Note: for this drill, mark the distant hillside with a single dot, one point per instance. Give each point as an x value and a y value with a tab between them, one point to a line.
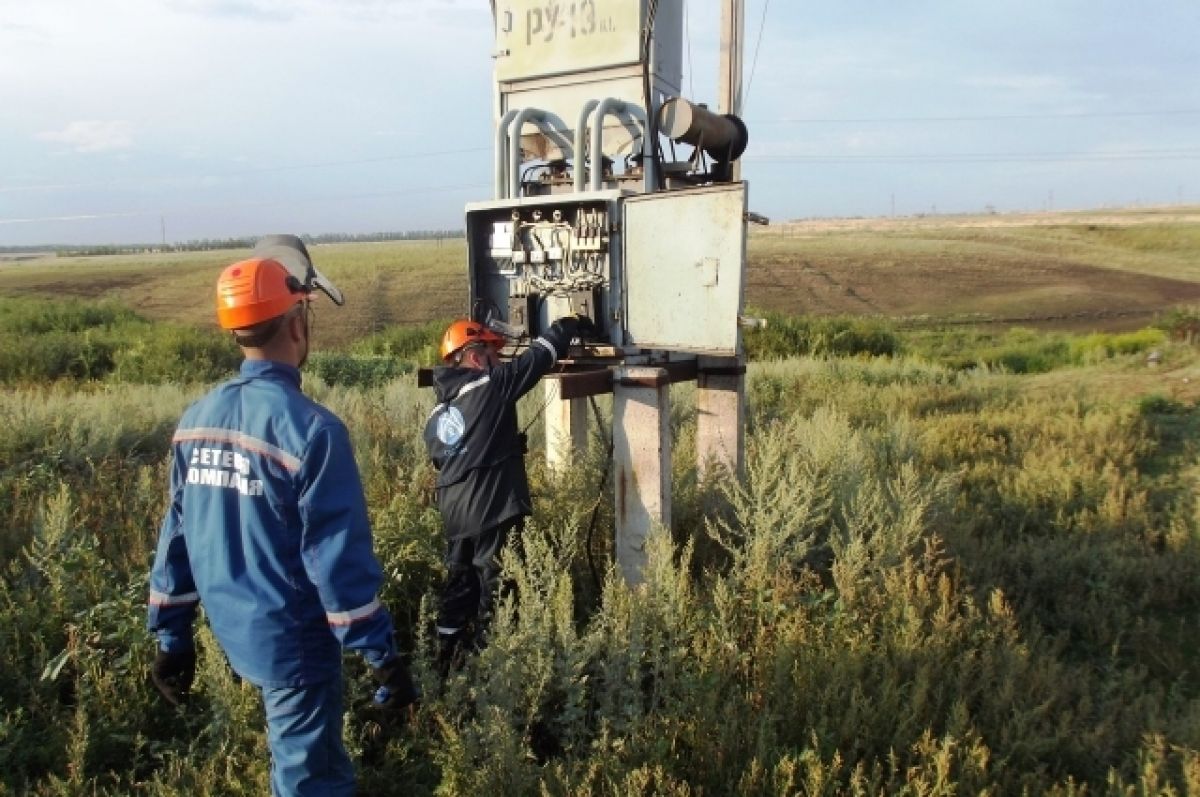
1101	270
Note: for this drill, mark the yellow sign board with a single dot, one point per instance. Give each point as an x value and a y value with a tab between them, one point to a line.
544	38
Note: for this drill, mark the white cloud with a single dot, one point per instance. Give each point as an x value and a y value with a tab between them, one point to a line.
256	10
92	136
425	11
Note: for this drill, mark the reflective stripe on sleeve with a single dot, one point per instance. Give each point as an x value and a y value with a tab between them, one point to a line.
469	386
163	599
346	618
548	347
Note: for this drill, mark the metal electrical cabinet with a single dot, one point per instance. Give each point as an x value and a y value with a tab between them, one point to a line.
654	271
685	269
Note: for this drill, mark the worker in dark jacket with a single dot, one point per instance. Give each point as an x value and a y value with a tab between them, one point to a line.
267	527
482	489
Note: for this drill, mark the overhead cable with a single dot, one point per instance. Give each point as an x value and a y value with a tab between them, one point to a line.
980	118
754	63
5	189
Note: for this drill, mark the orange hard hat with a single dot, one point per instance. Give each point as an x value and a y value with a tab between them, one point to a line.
463	332
254	291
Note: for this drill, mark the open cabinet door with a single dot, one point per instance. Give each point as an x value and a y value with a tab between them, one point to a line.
685	269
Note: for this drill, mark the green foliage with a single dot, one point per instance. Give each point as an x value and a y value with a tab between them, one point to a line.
382	357
791	336
176	354
1016	350
932	580
1100	346
1181	323
43	341
417	343
356	370
1026	351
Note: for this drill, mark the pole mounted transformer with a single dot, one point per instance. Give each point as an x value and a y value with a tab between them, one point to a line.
616	198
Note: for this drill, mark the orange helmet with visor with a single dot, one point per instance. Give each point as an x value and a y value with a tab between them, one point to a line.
463	333
256	290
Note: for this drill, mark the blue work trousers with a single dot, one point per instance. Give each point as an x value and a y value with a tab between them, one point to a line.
304	731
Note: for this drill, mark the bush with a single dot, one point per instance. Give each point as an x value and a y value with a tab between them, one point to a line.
357	370
931	581
45	341
33	317
791	336
1181	323
170	353
1102	346
417	344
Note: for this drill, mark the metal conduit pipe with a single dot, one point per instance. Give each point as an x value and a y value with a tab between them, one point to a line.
581	158
649	159
514	147
603	109
611	105
501	154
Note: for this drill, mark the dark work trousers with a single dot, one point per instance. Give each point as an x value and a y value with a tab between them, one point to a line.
473	579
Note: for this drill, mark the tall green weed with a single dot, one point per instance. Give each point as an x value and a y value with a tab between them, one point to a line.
931	581
794	336
44	341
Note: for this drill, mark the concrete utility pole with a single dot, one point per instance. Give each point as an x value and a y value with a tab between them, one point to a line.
642	459
729	84
721	384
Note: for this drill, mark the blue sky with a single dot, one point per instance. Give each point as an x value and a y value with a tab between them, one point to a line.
217	118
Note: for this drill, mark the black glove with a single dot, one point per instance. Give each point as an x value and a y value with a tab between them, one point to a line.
585	327
523	442
172	675
397	689
567	327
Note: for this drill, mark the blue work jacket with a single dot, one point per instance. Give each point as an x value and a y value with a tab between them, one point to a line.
267	527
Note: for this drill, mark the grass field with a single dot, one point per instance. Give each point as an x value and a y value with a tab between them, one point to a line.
1082	271
1072	270
965	558
385	284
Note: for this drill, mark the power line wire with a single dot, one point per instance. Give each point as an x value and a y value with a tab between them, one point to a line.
1051	153
687	37
762	25
996	157
980	118
135	181
225	206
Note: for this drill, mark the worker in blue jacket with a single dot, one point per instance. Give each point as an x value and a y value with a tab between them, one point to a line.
473	440
267	527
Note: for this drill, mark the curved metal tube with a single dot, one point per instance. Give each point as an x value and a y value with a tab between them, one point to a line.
649	163
514	147
581	158
611	105
501	154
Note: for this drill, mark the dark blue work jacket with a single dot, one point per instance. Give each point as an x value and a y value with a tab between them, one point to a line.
473	439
